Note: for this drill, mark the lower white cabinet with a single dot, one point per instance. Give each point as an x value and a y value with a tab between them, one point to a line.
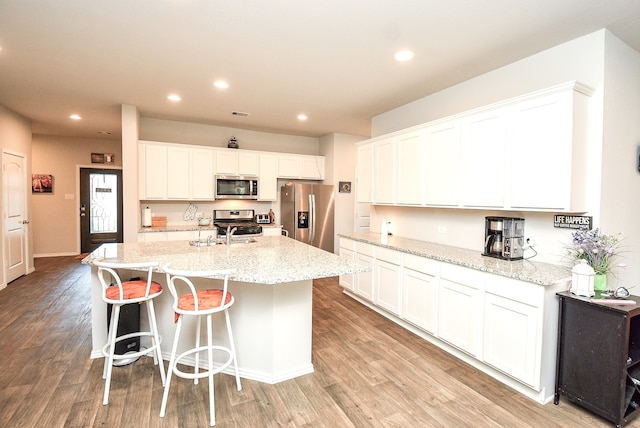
346	252
511	337
459	308
388	281
503	326
420	292
364	281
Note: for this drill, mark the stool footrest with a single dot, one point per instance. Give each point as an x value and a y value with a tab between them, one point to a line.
202	374
130	355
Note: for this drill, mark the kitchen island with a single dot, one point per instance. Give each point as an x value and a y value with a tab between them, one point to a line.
271	318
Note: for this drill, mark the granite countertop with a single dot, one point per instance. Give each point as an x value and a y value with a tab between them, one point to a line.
269	260
523	270
187	228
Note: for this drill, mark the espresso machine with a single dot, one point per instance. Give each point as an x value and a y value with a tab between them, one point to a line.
503	237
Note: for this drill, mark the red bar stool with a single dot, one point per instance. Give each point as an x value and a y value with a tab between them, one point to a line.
122	293
200	303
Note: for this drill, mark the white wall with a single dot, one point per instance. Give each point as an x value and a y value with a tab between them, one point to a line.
582	59
55	222
340	152
15	137
620	197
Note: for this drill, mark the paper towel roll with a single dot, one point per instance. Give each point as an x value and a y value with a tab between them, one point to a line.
146	217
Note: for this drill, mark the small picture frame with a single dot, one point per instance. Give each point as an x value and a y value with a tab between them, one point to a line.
344	186
41	183
97	157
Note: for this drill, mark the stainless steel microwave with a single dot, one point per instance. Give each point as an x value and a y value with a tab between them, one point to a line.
236	187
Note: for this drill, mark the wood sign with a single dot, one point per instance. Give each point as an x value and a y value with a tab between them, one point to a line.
573	222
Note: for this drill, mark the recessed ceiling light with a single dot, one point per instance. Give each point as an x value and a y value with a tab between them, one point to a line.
302	117
220	84
75	117
174	97
403	56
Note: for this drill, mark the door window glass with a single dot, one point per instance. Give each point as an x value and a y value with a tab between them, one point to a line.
104	203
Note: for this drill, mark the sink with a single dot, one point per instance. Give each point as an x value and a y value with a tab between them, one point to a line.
243	240
201	243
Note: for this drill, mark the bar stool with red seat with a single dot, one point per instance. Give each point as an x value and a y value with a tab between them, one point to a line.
123	293
200	303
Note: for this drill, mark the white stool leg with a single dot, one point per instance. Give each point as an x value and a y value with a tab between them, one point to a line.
115	316
212	406
172	363
197	367
233	349
155	338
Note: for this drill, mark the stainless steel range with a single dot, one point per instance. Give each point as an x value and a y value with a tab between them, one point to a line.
242	220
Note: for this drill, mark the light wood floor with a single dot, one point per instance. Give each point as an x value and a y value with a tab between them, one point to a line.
368	373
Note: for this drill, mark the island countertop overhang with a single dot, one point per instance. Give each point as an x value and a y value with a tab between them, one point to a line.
270	260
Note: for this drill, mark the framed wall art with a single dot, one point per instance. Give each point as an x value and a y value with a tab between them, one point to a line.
344	186
41	183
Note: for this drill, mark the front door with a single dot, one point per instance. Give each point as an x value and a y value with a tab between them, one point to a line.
100	207
14	189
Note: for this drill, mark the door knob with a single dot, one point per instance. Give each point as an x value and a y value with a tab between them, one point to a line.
25	221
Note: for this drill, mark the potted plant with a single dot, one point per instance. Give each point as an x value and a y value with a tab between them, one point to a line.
598	249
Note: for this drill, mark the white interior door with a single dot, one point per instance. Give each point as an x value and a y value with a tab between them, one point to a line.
14	190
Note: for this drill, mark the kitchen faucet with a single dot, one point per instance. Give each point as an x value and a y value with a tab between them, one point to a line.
230	233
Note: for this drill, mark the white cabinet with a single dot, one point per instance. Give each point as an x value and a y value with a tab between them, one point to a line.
202	175
527	153
178	172
236	162
460	303
384	171
513	329
152	172
301	166
420	292
313	167
548	151
273	230
388	280
442	164
484	164
268	177
364	174
346	251
175	171
409	151
364	281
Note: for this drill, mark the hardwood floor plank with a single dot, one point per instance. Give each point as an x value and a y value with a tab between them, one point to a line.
369	372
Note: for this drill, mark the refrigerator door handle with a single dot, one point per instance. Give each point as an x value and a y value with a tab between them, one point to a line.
312	218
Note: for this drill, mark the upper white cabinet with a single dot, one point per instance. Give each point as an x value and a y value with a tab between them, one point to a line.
175	171
384	167
484	164
236	162
364	173
442	164
152	170
268	185
527	153
548	139
170	171
410	162
301	166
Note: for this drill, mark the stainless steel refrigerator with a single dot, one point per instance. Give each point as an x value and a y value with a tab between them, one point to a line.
307	213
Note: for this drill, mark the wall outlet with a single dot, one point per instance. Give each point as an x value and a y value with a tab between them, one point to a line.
529	241
442	229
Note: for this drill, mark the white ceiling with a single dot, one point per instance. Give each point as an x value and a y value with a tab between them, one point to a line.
330	59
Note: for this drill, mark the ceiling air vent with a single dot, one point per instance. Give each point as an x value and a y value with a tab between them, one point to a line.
239	113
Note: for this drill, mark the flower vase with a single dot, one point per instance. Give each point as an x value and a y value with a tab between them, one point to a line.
600	282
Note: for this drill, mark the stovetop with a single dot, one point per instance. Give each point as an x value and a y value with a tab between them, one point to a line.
243	220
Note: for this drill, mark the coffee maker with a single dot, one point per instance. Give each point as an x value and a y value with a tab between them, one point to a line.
503	237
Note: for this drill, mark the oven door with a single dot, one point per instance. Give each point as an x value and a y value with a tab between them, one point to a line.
236	187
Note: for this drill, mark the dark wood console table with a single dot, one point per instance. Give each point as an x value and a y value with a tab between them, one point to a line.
598	365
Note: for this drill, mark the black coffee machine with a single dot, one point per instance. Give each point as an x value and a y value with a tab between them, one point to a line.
504	237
